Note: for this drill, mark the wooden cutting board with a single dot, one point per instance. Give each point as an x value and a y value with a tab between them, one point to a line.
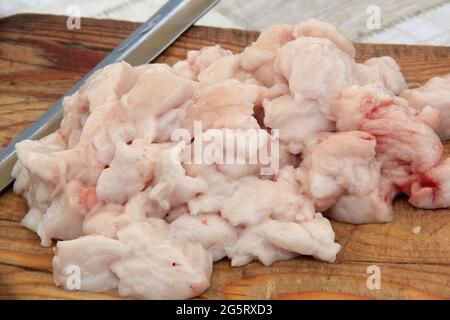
40	59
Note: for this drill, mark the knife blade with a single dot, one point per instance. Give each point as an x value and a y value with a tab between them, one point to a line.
142	46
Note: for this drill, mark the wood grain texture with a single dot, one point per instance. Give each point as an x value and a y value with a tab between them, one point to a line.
40	59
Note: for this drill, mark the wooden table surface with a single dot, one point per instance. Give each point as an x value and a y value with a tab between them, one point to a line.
40	59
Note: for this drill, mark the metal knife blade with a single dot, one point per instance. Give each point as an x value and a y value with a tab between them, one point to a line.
142	46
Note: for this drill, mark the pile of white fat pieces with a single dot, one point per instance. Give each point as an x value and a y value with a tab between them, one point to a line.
133	213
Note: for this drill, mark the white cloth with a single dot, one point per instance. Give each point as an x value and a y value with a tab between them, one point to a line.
403	21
